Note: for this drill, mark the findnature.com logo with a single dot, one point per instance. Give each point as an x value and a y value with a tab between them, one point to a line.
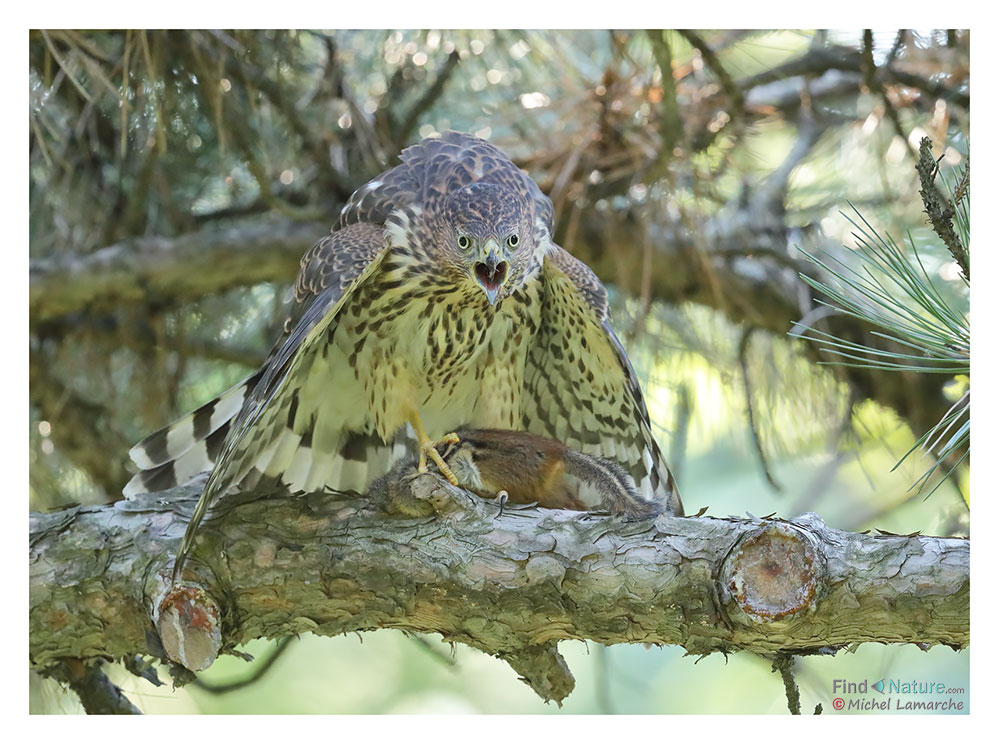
890	696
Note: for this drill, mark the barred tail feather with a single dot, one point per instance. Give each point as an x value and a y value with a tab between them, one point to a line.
350	467
181	451
297	472
176	472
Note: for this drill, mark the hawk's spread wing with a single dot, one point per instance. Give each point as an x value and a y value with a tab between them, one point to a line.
580	387
331	271
298	418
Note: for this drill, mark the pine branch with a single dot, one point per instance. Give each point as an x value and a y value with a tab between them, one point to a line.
926	334
512	586
941	214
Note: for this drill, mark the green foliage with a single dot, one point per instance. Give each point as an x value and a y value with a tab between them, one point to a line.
928	328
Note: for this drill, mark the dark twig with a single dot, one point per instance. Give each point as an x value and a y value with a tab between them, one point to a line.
436	653
783	664
900	40
402	134
753	425
818	61
732	90
384	120
873	83
868	68
98	694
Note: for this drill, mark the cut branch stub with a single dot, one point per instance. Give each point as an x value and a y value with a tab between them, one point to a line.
544	670
773	572
187	619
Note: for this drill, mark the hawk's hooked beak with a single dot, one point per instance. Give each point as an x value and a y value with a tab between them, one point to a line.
491	271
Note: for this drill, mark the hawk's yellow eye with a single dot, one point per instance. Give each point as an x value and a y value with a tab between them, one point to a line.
464	243
513	240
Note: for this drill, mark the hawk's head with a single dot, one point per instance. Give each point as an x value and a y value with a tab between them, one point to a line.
489	238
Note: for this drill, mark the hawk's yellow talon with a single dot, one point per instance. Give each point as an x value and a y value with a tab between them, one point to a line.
428	448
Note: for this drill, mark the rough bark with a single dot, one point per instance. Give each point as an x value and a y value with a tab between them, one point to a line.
511	585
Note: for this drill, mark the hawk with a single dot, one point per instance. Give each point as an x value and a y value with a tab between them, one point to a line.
438	303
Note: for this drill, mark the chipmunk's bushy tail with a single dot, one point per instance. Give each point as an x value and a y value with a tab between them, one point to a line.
610	480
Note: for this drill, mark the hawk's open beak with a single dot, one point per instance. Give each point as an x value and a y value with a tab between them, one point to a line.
491	272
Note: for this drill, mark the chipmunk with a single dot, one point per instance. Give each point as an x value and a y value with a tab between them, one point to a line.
528	469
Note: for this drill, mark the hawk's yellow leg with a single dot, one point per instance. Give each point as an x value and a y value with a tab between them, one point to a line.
428	448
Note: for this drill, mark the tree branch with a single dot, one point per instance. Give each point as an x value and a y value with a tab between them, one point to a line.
511	585
938	209
426	101
98	694
162	269
819	60
732	90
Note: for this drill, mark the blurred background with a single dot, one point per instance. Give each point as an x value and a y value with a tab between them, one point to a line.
178	176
